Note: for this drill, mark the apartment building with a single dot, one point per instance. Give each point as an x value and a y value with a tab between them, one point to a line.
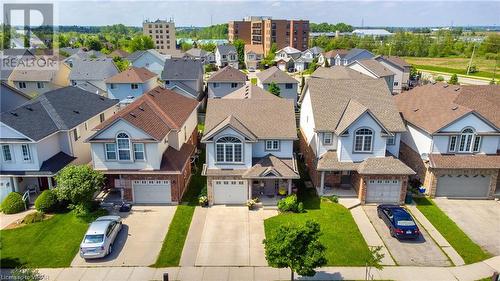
266	31
162	32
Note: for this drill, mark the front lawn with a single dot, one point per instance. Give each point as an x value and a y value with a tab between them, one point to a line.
173	244
50	243
466	248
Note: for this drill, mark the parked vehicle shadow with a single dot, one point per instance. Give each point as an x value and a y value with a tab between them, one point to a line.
421	239
118	245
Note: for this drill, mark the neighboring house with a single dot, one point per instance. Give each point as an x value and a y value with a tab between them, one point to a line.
249	91
338	72
91	74
333	57
308	56
249	149
353	55
285	58
83	55
119	53
374	69
145	149
287	84
401	70
11	58
226	55
35	80
150	59
350	132
130	84
184	76
11	97
313	52
45	134
202	55
453	138
253	56
225	81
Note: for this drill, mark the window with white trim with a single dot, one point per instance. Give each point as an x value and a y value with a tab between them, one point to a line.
272	144
134	86
123	145
469	141
110	149
7	156
327	138
40	85
453	143
139	151
216	85
101	117
76	134
22	85
234	85
26	152
391	141
363	139
229	150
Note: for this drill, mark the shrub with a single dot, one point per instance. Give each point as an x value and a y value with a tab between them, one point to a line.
290	204
203	200
439	78
46	202
27	274
251	204
13	203
33	217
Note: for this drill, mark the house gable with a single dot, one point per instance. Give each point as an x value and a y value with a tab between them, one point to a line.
471	119
120	125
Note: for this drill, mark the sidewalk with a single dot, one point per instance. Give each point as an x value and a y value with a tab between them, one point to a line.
463	273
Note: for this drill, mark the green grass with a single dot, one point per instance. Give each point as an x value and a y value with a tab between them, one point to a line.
50	243
466	248
479	74
344	243
173	244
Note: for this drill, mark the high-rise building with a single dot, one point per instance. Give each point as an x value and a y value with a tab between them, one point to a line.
266	31
162	32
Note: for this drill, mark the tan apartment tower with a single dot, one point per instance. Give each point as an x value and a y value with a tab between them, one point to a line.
162	32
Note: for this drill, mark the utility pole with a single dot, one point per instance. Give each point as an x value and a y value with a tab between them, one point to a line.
472	56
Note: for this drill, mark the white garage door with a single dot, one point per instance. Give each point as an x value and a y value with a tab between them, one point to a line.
152	191
230	191
383	191
463	186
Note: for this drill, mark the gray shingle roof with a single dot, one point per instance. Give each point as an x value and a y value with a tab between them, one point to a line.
60	109
375	67
137	54
228	74
353	53
226	49
93	69
49	167
271	165
274	74
338	72
182	69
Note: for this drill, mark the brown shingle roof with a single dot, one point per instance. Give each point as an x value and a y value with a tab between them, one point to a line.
330	98
338	72
334	53
132	75
258	49
370	166
375	67
394	60
228	74
174	160
274	74
155	112
433	106
250	92
119	53
477	161
328	161
36	74
271	165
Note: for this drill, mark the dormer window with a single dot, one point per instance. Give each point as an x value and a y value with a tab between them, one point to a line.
327	138
229	150
272	144
363	140
468	141
123	145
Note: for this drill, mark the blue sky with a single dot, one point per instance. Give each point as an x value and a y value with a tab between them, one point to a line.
202	13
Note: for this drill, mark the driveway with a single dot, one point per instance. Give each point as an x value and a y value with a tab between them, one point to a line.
421	252
140	239
479	219
232	236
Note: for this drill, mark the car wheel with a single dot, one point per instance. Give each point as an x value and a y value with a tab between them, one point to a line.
379	216
110	249
392	233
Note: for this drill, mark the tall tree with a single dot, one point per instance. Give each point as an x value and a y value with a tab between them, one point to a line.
141	42
240	49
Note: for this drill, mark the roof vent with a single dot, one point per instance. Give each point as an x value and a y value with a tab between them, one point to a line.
141	108
454	108
445	86
433	82
29	108
457	89
132	114
76	111
101	97
415	109
13	113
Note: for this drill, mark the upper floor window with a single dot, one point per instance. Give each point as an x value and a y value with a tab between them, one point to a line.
288	86
123	144
363	139
134	86
327	138
26	152
229	150
111	86
391	141
272	144
40	85
22	85
139	151
234	85
76	134
7	156
101	117
110	151
468	141
216	85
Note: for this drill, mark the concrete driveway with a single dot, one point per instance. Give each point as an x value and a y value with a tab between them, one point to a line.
420	252
479	219
140	240
232	236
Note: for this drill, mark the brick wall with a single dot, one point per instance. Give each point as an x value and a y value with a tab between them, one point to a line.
310	160
412	158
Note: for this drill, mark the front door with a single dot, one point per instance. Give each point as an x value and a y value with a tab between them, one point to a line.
345	178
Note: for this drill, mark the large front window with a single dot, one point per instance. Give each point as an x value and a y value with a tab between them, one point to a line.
363	140
7	156
229	150
468	141
123	145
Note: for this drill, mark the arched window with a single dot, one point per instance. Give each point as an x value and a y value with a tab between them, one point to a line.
229	150
123	145
469	141
363	140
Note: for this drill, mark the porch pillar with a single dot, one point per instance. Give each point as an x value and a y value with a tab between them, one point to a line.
322	184
49	180
15	183
289	186
249	190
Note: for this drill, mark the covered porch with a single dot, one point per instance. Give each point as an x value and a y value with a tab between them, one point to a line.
270	191
336	178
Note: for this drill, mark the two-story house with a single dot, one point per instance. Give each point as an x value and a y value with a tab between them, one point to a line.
226	55
145	149
247	156
130	84
453	138
401	71
91	74
308	56
225	81
350	133
202	55
338	72
149	59
45	134
253	56
285	58
288	85
375	70
332	57
184	76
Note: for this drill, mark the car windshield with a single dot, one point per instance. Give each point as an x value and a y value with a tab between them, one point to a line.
405	223
94	238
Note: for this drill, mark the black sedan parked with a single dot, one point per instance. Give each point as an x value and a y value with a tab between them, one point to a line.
400	222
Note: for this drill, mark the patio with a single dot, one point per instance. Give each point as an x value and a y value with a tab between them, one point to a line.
270	191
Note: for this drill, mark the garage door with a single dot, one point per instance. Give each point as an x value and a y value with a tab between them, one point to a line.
463	186
230	191
383	191
152	191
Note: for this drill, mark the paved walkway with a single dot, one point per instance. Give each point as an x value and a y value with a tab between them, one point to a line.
403	273
6	220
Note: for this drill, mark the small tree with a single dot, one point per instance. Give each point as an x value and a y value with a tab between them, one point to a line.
297	248
274	89
373	261
453	79
439	78
77	184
